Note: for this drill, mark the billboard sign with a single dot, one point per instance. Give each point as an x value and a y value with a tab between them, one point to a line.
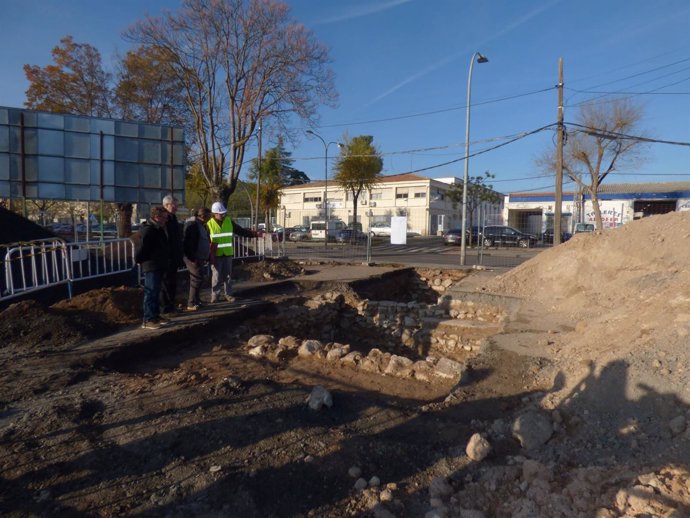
54	156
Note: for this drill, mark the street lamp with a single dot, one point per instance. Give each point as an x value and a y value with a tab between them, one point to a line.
463	238
325	188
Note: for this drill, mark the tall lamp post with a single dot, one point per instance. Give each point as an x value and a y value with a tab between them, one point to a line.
463	238
325	189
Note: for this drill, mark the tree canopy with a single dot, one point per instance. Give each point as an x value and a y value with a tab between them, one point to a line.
75	83
239	62
358	167
478	193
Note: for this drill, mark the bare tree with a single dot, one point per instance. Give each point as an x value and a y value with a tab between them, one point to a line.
600	144
239	61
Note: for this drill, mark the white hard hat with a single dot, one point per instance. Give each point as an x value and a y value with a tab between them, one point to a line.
218	208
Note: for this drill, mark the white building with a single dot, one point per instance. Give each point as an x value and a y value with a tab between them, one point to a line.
619	203
424	201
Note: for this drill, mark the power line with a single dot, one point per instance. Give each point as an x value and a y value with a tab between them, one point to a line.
596	132
435	112
526	134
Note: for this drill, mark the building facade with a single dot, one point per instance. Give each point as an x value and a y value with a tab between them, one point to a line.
424	201
619	204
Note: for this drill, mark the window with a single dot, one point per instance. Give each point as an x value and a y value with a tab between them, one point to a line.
311	199
376	195
420	195
401	194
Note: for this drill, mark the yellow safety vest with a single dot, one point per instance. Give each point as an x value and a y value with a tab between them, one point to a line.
222	236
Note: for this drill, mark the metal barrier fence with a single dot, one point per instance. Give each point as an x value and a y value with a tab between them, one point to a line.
45	263
357	251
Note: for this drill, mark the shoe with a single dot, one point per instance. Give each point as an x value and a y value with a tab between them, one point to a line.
151	324
163	320
230	298
193	307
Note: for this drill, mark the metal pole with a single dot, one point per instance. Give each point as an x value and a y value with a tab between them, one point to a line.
325	190
258	182
558	200
463	238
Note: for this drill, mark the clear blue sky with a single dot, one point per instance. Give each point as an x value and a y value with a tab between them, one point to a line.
402	68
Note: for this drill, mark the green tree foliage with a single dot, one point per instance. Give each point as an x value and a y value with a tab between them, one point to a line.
358	167
240	62
598	145
75	83
276	172
478	192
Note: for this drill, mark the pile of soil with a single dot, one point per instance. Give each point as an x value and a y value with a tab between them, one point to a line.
267	270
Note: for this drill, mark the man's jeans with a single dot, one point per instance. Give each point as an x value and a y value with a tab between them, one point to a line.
152	290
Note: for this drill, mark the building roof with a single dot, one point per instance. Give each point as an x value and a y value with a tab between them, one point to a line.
403	177
620	188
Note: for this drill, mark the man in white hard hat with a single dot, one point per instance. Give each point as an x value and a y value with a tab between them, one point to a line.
222	230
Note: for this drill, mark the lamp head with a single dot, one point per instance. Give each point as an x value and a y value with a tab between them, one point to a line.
310	132
481	58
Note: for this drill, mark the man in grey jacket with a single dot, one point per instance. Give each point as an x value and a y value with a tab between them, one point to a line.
196	245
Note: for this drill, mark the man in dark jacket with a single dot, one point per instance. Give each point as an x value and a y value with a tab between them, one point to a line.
197	247
153	254
169	282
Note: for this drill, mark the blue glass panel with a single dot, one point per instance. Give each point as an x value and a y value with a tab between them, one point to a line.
106	126
53	191
31	169
77	124
150	176
126	129
51	142
4	139
4	116
77	171
30	141
178	156
150	151
77	145
108	173
126	175
51	169
50	121
126	149
78	192
149	131
4	166
126	195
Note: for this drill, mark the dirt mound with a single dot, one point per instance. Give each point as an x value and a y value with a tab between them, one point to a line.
120	305
267	270
623	290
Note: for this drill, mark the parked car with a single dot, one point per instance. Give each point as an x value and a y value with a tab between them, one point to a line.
380	229
454	236
349	235
547	236
498	235
299	233
584	227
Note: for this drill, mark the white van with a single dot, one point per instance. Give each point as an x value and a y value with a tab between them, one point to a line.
317	229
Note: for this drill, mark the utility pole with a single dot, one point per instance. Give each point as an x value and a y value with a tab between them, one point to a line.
258	181
558	202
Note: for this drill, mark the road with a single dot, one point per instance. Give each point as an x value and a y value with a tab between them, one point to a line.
418	250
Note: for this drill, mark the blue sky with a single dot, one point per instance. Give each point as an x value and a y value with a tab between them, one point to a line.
402	67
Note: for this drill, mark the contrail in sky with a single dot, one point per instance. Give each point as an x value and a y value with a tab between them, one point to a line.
363	11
